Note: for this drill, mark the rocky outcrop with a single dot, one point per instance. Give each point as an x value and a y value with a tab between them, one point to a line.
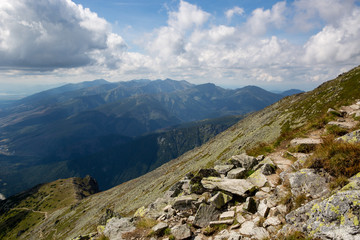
116	227
353	137
309	182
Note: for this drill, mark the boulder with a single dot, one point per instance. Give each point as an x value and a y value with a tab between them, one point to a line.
272	221
257	178
263	209
305	144
225	221
240	187
336	217
181	232
268	169
116	227
308	181
227	215
250	205
346	125
175	189
237	173
353	137
108	215
184	203
334	112
205	214
220	199
244	161
223	169
159	228
195	182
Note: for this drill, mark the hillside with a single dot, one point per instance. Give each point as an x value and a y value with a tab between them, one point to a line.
263	131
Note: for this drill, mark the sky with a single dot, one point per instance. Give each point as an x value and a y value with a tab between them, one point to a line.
273	44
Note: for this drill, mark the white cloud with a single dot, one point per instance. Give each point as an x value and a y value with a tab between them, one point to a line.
188	16
309	14
49	34
261	19
336	43
234	11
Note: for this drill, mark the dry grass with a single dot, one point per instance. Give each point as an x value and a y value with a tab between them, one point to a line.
337	158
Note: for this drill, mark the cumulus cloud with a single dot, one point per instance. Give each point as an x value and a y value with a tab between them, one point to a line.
261	19
336	43
50	34
310	14
191	45
234	11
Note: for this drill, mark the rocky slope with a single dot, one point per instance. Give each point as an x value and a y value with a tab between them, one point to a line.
262	200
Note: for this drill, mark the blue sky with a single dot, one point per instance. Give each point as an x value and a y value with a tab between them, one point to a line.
272	44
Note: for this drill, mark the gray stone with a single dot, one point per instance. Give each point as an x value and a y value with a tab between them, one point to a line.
239	187
336	217
260	233
240	219
227	215
223	169
305	144
116	227
2	197
257	178
184	203
220	199
181	232
237	173
272	221
247	228
353	137
263	209
160	227
205	214
268	169
225	221
333	111
308	181
250	205
244	161
346	125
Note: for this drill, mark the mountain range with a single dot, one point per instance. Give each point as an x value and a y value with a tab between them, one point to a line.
123	129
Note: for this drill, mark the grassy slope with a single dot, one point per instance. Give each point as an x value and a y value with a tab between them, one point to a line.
263	126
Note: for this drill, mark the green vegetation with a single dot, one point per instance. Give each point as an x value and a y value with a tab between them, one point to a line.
337	158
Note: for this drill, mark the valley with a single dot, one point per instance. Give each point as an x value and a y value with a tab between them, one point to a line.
114	131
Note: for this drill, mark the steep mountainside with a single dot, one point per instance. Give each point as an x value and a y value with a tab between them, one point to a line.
277	124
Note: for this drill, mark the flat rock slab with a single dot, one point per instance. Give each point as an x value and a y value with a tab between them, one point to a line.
305	141
223	169
227	221
235	186
227	215
346	125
